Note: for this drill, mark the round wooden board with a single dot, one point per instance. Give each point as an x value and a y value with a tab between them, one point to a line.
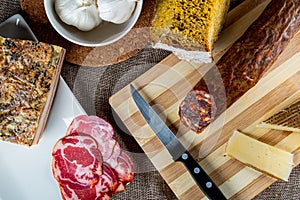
126	47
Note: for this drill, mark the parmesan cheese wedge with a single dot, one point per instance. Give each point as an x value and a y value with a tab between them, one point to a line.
287	119
260	156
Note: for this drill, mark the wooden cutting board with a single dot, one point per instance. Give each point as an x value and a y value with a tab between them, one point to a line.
166	84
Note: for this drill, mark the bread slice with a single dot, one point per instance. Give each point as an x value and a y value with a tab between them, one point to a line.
188	28
29	74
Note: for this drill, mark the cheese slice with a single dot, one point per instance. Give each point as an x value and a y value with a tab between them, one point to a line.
260	156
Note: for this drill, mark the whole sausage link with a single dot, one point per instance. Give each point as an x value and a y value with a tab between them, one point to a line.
242	66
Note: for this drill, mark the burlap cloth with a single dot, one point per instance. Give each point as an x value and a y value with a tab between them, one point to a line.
94	85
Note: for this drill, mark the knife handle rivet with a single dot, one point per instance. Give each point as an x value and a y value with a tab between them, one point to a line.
208	184
184	156
197	170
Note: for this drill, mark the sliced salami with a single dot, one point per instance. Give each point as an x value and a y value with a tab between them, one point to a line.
77	161
76	194
101	191
125	171
88	162
112	151
90	194
102	132
108	181
90	125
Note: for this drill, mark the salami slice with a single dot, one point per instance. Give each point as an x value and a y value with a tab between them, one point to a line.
111	151
125	171
102	132
108	182
88	162
90	124
68	193
88	194
77	161
101	191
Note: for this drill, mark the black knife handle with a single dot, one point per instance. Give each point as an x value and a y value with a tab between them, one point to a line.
209	188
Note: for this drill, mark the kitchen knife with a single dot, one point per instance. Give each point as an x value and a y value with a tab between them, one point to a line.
175	148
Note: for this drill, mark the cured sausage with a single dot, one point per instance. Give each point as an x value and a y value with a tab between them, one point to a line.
242	66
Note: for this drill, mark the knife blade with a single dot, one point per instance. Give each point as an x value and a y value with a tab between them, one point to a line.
175	148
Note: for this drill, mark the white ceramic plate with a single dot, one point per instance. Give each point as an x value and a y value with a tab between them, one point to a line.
25	172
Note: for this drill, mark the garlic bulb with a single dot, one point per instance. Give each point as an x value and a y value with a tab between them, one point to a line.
116	11
82	14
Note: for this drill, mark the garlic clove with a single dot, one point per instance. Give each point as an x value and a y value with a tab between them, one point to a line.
83	14
116	11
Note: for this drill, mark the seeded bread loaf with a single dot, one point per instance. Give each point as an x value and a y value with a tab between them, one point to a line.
29	74
188	28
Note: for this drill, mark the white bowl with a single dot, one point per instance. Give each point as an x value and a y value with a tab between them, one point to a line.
106	33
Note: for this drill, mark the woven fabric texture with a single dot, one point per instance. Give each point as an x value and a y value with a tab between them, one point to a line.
93	86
